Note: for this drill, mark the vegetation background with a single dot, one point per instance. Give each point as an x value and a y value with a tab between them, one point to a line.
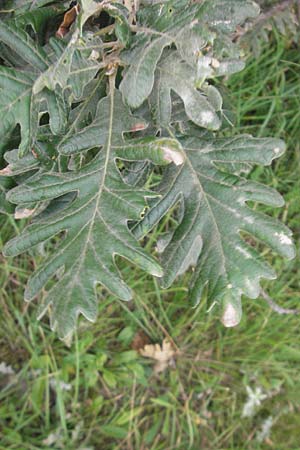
225	388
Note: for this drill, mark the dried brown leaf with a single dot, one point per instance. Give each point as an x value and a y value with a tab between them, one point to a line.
163	354
69	19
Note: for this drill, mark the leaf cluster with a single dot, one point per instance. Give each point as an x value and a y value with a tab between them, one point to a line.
88	115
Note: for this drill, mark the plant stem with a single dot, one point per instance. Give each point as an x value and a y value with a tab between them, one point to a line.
276	307
281	6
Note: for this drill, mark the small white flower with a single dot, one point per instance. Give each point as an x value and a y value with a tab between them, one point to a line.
5	369
255	397
265	429
53	438
60	384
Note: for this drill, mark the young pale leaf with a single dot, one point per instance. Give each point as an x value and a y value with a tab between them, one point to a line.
214	213
138	82
166	21
173	74
95	223
189	25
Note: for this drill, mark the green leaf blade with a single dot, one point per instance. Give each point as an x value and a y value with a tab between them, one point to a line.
20	41
214	214
138	80
95	228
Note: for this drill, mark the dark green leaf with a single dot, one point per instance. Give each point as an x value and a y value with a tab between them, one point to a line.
214	212
95	223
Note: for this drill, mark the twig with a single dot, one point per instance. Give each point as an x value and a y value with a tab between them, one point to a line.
276	307
105	30
265	16
281	6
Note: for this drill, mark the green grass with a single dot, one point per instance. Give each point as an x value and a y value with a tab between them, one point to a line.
115	401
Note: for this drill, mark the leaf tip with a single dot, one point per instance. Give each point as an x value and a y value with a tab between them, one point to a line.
172	151
6	172
286	241
174	156
231	315
157	271
279	149
138	126
24	213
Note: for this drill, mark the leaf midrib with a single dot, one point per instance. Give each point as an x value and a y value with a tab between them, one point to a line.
189	163
102	185
219	236
81	112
